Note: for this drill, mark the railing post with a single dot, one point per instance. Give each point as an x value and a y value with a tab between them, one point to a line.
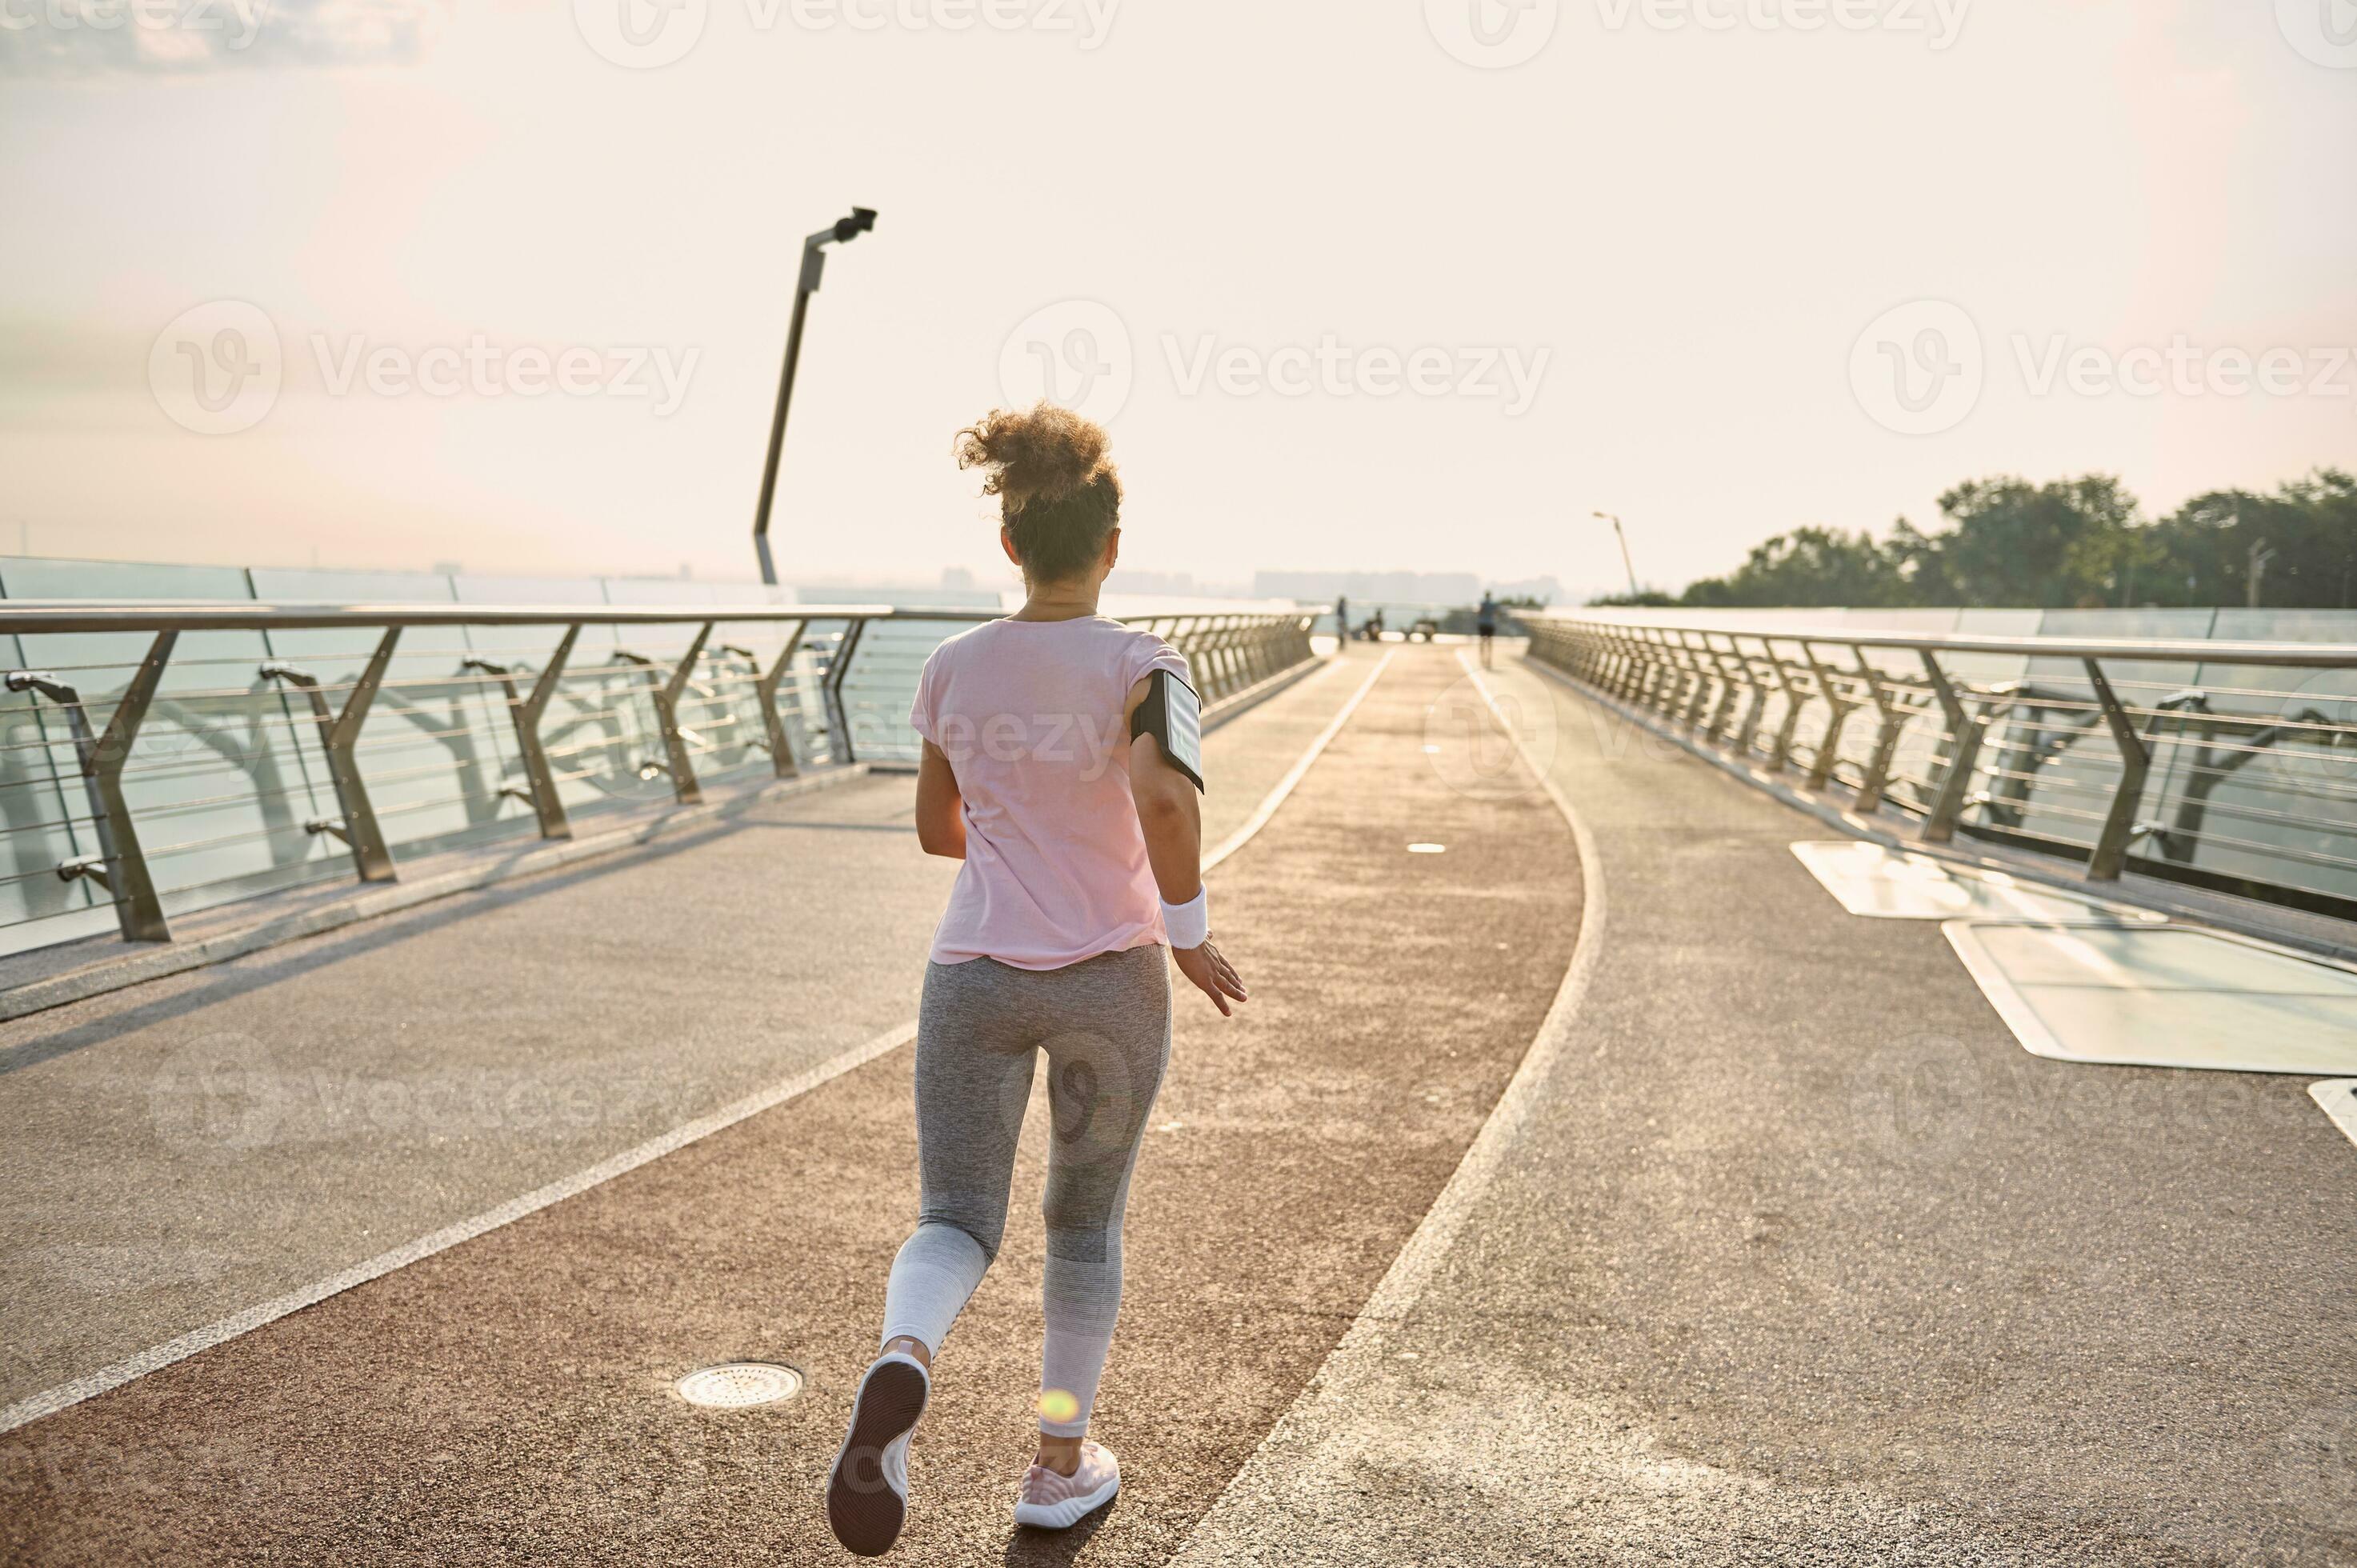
1872	782
1691	657
121	865
1203	658
838	669
539	777
338	734
765	686
1821	766
1657	666
1646	672
1966	730
1757	707
1725	701
2110	855
1780	750
1223	645
667	693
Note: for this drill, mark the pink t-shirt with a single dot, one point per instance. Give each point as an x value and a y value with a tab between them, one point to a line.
1029	714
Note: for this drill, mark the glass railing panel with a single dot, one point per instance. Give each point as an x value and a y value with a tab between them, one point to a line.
719	712
2055	766
37	907
430	751
599	728
882	683
2276	795
217	782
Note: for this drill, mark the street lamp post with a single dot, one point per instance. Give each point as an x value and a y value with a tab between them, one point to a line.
1621	535
860	221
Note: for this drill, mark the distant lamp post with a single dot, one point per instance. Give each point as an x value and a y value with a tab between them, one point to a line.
844	229
2261	554
1619	533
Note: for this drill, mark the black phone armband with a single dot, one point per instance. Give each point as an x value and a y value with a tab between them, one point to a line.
1173	715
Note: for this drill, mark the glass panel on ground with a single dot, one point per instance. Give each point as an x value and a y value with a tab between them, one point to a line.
1871	880
2162	996
2339	1098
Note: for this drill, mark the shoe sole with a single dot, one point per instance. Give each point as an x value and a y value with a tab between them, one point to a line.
862	1506
1068	1513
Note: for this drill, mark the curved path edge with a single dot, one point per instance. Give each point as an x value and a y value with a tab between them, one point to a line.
1405	1282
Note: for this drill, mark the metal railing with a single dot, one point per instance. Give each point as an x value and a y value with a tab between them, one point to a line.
162	759
2231	764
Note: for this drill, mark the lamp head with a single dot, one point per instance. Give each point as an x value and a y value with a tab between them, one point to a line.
861	221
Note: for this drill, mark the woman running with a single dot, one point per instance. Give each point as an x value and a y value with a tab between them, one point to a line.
1061	766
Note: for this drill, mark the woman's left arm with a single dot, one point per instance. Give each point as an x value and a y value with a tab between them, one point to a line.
941	811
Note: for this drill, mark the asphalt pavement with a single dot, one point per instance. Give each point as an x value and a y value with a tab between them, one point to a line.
508	1399
1788	1254
1581	1189
203	1146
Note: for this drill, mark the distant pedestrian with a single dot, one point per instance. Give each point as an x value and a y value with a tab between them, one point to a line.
1486	623
1061	765
1341	618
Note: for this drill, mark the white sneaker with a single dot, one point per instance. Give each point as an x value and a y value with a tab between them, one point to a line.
1049	1501
868	1492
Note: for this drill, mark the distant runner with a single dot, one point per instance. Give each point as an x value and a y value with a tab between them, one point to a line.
1487	625
1062	763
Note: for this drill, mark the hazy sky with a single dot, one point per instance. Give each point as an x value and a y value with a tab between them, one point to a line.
1399	284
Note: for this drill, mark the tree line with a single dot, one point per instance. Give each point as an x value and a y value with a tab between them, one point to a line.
2072	544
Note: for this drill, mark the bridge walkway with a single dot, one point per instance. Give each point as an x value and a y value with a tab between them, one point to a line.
1573	1195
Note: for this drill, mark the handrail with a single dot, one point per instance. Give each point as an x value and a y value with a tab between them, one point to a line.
2054	784
2143	650
37	616
600	747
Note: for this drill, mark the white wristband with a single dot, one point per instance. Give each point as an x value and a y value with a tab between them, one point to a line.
1188	924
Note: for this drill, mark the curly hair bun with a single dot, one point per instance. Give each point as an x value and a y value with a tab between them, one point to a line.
1058	493
1042	454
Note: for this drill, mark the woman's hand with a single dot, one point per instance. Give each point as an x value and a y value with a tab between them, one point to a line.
1212	975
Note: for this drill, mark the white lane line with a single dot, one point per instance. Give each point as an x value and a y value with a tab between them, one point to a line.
51	1401
237	1323
1275	796
1412	1270
1405	1281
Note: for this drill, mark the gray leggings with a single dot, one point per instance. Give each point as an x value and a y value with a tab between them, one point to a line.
1104	1024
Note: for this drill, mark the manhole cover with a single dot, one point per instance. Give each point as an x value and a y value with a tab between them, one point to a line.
741	1383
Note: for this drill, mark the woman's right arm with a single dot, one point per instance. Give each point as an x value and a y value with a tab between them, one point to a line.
940	812
1170	814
